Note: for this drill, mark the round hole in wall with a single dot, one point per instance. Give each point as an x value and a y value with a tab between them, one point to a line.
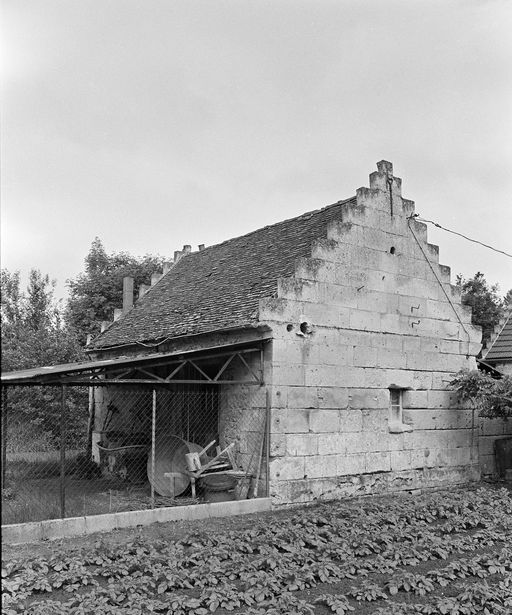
289	327
304	327
392	250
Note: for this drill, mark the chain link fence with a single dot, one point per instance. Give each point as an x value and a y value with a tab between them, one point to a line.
72	451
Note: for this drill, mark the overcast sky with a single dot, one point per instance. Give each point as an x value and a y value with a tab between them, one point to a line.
153	124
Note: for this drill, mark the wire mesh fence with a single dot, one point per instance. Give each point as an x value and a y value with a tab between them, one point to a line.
73	451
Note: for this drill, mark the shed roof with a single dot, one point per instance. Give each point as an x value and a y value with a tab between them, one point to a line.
220	287
501	349
82	372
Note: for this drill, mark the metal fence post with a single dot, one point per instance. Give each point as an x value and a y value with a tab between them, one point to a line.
63	452
153	449
268	400
4	436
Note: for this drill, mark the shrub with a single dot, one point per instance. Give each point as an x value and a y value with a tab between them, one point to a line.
492	398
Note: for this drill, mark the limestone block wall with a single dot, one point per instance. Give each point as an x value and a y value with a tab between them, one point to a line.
371	310
242	415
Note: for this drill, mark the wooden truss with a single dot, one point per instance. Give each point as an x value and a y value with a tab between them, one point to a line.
188	371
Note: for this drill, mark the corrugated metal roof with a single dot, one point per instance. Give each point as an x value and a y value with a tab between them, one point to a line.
55	373
51	371
221	286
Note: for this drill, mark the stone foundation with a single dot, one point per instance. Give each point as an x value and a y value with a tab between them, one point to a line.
323	489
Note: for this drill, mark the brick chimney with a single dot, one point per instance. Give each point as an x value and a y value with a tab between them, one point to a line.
155	277
127	294
143	289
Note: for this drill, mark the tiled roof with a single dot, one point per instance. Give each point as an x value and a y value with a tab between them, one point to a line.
501	349
220	286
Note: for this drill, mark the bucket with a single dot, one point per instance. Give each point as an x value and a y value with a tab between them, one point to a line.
193	461
219	487
219	496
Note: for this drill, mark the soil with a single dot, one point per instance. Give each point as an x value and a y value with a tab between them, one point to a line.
174	531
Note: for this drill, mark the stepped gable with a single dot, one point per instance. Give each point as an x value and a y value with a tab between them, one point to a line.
219	287
500	350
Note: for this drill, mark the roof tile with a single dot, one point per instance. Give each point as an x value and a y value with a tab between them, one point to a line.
501	350
220	287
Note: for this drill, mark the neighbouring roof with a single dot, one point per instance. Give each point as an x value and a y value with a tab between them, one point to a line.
220	287
501	349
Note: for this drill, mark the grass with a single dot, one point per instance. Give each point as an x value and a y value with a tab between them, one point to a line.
33	493
436	553
38	499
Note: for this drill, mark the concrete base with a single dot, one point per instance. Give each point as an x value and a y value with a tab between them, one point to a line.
54	529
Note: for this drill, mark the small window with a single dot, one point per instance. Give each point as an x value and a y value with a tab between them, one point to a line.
395	422
395	405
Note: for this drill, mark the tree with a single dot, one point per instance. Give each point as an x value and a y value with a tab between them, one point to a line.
34	335
95	293
486	304
507	300
33	332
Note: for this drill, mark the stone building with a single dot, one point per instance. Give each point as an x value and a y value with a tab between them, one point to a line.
498	353
359	330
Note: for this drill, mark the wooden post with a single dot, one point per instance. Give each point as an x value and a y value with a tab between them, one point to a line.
4	435
63	452
267	443
153	449
260	458
90	422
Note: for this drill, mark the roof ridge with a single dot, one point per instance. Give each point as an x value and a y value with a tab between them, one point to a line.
305	215
243	269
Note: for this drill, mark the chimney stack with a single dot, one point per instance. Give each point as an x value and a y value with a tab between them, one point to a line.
104	325
127	294
167	266
89	339
118	312
143	289
187	249
155	277
201	247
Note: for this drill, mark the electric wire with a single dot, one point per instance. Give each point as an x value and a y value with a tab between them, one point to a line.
413	217
418	217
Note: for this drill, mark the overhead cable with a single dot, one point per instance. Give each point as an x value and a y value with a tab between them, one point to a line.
417	217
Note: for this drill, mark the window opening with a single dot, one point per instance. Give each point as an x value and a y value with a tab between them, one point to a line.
396	424
395	405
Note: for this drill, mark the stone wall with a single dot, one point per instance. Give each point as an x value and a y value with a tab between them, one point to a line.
489	431
242	416
372	309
